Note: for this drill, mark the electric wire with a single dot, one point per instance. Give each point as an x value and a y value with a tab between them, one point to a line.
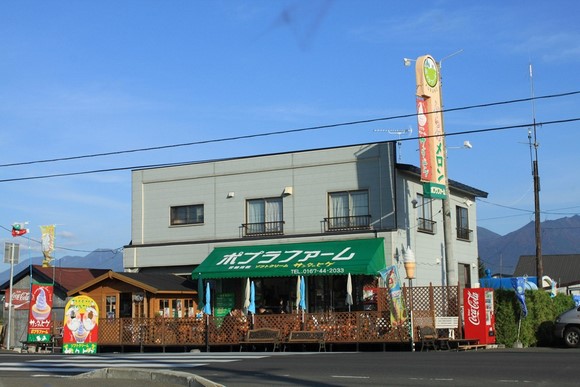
190	162
289	131
281	132
30	239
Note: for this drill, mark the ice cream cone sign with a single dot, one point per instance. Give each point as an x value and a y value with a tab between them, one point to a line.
409	262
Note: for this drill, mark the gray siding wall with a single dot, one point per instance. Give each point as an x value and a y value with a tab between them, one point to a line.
312	176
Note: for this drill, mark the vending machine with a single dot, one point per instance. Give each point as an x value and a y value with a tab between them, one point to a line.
478	315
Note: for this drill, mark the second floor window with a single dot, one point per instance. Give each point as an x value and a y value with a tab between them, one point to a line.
264	216
425	221
192	214
348	210
463	231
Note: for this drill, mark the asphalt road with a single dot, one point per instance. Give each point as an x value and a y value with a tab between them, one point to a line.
530	367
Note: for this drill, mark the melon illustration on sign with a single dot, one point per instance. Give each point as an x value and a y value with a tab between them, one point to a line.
430	71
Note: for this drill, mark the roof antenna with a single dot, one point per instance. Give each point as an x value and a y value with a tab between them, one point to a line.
399	133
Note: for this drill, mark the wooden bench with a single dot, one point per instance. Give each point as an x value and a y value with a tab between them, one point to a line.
308	337
262	336
447	322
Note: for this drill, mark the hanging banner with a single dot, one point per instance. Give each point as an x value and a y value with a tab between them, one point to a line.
518	283
391	277
47	244
425	160
81	326
19	229
39	320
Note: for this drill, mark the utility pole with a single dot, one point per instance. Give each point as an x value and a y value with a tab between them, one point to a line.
536	175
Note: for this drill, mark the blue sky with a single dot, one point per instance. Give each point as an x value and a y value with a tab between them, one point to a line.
80	78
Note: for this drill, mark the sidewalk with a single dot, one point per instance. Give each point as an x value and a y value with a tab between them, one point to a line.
114	377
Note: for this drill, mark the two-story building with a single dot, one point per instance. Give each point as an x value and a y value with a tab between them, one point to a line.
276	216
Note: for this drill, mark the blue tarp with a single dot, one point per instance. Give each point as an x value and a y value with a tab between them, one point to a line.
506	283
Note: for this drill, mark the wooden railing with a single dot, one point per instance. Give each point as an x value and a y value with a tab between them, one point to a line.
340	327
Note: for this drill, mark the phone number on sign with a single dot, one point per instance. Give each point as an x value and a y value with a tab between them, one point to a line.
334	270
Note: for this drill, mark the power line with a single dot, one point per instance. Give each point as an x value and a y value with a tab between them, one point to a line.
185	162
289	131
28	238
526	212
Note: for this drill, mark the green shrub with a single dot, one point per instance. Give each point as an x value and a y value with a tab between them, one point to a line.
536	328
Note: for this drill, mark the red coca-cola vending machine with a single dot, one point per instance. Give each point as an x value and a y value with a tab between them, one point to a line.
478	315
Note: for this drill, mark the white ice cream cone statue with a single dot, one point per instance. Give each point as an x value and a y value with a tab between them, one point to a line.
409	262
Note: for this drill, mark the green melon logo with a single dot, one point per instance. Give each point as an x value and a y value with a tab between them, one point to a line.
430	71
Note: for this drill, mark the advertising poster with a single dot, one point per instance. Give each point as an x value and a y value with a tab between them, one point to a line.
391	277
81	326
39	313
20	299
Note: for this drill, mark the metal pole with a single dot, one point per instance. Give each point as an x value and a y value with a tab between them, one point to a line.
538	232
412	330
536	174
11	291
207	333
450	264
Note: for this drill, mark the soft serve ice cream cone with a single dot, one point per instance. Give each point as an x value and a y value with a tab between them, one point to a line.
80	334
41	310
410	269
409	262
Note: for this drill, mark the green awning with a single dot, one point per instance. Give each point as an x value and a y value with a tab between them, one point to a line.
357	256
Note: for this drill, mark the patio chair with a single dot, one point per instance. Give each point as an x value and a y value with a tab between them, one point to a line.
428	337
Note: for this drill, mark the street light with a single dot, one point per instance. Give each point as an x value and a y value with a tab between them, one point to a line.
410	264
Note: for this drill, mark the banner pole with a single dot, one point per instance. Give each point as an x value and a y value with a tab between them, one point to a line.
10	301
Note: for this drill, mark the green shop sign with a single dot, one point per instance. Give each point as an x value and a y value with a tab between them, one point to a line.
357	256
434	190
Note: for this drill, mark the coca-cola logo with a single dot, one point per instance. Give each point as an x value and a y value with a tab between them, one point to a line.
21	296
473	308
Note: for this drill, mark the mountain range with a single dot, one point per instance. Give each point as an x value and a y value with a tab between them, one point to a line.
500	254
98	259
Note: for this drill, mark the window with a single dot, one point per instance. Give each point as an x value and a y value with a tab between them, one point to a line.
164	309
463	231
176	308
464	276
348	210
264	216
425	221
111	306
192	214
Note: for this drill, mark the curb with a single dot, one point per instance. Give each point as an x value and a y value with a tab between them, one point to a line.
174	377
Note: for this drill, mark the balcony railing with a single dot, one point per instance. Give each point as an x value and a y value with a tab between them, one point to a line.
263	229
464	234
426	225
347	223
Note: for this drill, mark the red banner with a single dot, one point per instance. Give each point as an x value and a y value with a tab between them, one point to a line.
39	313
425	157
